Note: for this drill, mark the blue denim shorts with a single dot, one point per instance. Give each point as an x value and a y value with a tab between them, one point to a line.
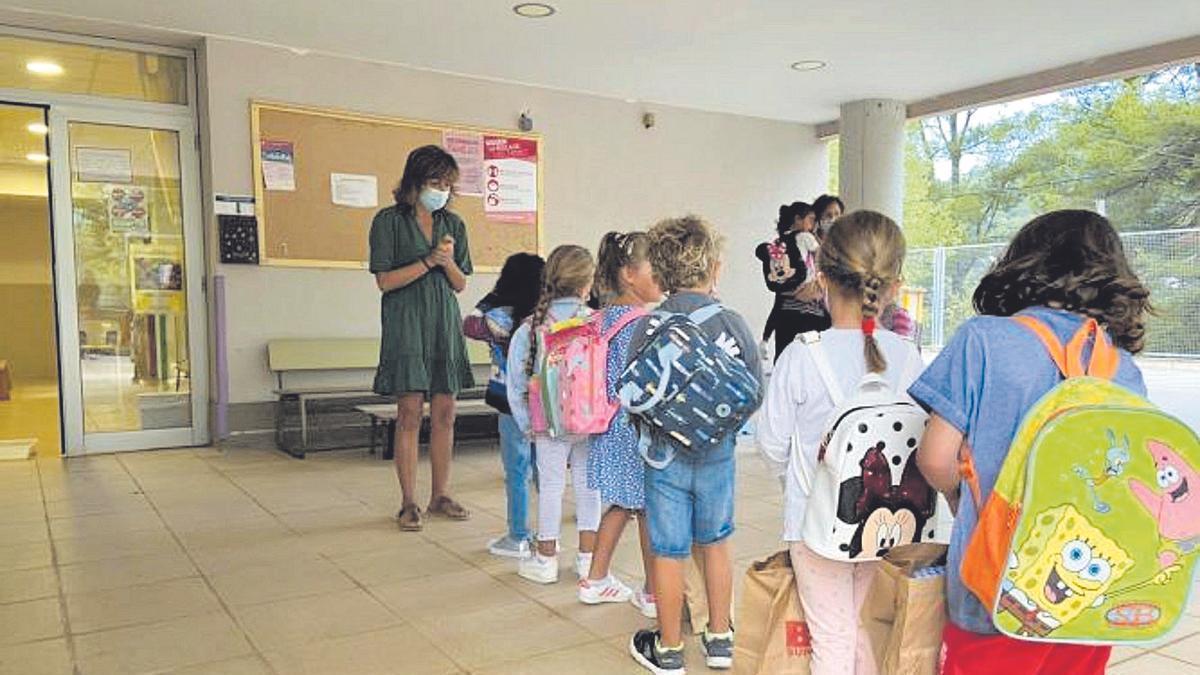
690	501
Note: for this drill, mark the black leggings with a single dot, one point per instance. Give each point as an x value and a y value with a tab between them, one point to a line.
787	325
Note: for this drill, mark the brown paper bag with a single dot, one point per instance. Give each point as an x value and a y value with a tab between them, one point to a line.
904	616
772	637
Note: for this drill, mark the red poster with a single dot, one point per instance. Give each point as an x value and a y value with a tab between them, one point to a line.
510	180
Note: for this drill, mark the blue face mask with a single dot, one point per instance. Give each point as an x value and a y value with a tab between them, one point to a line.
434	200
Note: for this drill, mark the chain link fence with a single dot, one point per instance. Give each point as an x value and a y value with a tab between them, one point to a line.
940	282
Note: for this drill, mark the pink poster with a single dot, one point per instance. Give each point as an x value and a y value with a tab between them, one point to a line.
467	149
510	181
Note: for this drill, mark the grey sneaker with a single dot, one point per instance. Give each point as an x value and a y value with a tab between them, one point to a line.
508	547
645	648
718	650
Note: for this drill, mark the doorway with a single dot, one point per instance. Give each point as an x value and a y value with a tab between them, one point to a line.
30	418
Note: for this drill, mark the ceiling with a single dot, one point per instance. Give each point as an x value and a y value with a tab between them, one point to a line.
727	56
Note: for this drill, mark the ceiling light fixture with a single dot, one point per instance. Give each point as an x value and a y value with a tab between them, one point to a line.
534	10
38	128
807	65
39	157
44	68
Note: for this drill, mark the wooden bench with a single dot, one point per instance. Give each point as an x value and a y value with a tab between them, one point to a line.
289	358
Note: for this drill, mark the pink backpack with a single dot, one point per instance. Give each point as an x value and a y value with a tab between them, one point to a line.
569	394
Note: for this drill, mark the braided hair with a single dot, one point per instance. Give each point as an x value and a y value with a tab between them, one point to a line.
862	256
1073	260
568	273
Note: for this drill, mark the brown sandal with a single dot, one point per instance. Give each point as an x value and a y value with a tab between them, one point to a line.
409	518
447	507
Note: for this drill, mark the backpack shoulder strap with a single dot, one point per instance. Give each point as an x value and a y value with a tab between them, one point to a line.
626	319
1069	358
812	341
705	313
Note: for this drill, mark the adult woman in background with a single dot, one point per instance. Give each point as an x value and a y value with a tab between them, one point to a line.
421	260
787	270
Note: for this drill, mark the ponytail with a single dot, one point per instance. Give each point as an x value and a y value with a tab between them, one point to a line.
569	271
876	363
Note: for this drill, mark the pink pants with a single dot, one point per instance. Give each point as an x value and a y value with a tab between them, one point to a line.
832	595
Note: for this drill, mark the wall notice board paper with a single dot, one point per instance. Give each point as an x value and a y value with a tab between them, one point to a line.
304	227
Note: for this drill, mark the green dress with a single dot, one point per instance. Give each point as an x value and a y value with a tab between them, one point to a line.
423	349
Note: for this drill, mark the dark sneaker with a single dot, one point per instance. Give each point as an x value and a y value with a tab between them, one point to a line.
718	650
644	647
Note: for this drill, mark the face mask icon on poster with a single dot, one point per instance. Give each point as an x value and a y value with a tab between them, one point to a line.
434	200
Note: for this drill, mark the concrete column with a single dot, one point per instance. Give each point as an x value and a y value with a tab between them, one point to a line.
871	159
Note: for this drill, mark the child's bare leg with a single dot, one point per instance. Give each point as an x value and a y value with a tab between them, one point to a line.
668	580
647	553
611	527
718	581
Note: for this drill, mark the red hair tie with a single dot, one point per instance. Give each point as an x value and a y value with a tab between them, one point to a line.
868	326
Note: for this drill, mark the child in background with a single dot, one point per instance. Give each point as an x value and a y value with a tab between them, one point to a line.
1061	268
567	284
614	466
858	267
690	501
493	321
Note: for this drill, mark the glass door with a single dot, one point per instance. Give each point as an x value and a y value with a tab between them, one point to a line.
29	410
133	327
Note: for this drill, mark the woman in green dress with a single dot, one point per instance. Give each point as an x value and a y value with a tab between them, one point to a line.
420	259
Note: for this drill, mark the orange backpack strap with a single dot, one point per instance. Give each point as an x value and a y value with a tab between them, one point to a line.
966	468
1053	346
1105	358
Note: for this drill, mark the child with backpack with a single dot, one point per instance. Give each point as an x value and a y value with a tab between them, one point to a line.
852	375
689	480
567	283
615	468
1064	280
494	320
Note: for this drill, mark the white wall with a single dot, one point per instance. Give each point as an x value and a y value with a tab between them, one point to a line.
603	171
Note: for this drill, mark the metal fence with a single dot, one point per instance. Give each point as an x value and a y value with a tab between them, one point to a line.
940	281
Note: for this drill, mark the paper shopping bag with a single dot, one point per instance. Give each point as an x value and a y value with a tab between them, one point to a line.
905	610
772	637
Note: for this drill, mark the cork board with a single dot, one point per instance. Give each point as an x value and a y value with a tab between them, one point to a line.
304	228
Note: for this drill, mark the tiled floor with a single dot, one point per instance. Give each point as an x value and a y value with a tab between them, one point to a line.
246	561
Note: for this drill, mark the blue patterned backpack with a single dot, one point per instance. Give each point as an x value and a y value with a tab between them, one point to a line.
686	387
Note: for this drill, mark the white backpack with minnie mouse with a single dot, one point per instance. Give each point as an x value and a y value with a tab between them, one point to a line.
865	494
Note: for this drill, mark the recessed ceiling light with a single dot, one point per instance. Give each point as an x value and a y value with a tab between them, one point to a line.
44	68
38	157
808	65
38	128
534	10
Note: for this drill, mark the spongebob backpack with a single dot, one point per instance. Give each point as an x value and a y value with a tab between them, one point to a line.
1091	532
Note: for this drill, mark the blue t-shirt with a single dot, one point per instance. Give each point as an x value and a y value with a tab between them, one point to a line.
983	383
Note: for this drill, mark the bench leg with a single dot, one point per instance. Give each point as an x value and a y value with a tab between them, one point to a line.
303	424
374	434
389	445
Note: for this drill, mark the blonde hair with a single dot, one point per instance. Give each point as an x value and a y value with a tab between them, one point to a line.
862	256
684	252
569	270
618	250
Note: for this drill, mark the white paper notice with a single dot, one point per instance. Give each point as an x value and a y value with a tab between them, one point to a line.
354	190
467	149
103	165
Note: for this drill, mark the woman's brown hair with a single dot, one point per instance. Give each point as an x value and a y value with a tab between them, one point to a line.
424	164
1073	260
862	256
618	250
569	271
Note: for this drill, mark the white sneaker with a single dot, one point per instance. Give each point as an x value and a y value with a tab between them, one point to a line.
583	564
538	568
507	547
646	603
608	590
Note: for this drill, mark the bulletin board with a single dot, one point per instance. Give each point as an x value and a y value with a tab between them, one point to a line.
303	227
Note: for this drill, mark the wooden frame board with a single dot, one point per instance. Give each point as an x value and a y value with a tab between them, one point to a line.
304	228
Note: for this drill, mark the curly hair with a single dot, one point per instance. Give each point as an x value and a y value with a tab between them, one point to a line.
568	273
1073	260
862	256
426	163
618	250
684	253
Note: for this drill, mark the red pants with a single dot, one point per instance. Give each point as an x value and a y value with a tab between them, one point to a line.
970	653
